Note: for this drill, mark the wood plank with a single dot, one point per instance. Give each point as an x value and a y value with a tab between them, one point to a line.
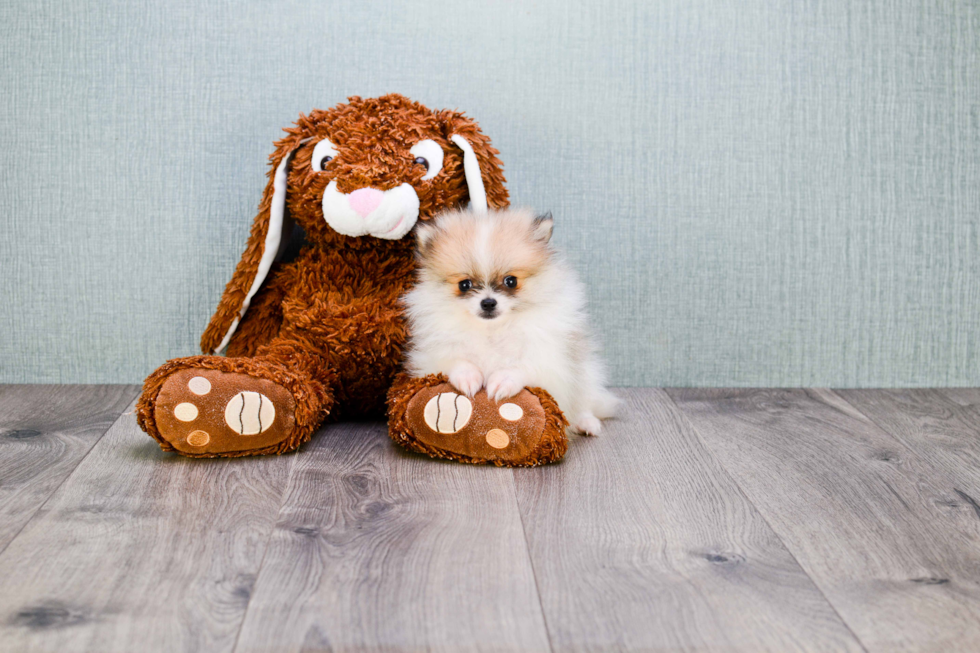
859	509
140	550
45	430
942	426
380	549
641	541
969	397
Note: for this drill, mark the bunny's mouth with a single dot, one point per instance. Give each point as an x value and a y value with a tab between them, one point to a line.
401	221
386	214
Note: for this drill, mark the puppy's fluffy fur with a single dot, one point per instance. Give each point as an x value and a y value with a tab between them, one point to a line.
496	307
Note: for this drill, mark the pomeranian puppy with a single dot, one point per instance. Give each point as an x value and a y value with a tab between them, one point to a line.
496	307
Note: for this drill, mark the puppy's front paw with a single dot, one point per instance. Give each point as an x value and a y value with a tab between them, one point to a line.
588	424
504	384
466	378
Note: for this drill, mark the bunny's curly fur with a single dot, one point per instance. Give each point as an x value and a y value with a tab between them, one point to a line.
327	326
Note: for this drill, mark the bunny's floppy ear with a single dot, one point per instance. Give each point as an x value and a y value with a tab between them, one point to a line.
483	170
266	240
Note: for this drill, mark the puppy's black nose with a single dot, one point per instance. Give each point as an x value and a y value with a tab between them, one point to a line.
488	304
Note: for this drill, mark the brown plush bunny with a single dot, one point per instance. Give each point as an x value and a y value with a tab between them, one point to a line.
322	335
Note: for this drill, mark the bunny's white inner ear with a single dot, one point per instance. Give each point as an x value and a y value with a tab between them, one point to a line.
273	238
474	180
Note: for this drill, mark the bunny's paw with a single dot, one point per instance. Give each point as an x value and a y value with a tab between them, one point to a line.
209	413
523	430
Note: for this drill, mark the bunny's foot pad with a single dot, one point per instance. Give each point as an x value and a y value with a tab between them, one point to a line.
204	412
522	431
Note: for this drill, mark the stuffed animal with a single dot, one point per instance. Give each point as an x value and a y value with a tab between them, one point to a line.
320	335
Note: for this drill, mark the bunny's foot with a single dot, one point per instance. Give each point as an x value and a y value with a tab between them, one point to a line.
429	416
208	406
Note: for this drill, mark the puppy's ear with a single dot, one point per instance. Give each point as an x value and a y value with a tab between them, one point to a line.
425	233
484	171
542	227
269	231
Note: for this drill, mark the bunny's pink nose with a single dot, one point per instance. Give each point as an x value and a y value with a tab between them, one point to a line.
365	200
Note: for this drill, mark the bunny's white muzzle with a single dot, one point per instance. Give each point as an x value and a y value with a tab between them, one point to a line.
386	214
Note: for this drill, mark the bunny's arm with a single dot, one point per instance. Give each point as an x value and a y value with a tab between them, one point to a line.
264	317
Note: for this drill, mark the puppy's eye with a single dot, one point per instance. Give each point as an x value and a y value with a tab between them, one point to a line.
323	153
429	154
510	281
465	285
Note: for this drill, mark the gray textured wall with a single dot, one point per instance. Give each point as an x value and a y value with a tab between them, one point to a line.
757	192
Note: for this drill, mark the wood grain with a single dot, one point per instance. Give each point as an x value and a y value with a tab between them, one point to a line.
860	510
942	426
45	430
379	549
744	520
641	541
140	550
969	397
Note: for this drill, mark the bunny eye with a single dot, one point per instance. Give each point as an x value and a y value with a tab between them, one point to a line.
429	154
323	153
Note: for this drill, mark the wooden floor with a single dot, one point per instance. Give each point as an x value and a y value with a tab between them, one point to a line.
703	520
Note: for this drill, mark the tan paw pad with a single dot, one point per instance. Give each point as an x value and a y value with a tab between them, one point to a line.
497	439
185	412
447	412
199	386
198	438
249	413
511	412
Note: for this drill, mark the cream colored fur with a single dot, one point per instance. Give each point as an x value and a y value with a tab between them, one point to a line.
538	334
